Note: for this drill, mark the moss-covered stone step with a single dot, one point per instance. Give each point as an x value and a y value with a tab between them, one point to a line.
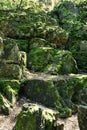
28	24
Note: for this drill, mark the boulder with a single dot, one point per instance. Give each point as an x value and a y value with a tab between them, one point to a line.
49	90
39	58
39	42
49	60
12	61
56	35
10	88
26	25
67	13
78	45
77	88
10	50
81	58
8	94
83	94
82	11
60	92
35	117
83	46
82	117
4	105
62	63
10	71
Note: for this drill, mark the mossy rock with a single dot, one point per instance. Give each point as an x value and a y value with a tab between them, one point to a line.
40	87
10	88
39	58
82	11
49	60
81	60
28	24
25	121
57	35
58	92
4	105
39	42
11	71
12	61
67	13
50	91
10	50
82	117
32	117
77	88
80	54
63	63
12	53
22	44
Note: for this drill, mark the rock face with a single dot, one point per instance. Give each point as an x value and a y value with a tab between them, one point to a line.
67	13
45	89
12	65
31	27
49	60
82	117
58	92
82	51
12	61
10	71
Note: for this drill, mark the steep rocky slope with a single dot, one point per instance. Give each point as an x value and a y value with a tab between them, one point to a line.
41	55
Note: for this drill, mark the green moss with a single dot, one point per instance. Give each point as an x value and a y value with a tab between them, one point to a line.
81	59
39	42
65	112
39	57
4	105
10	71
26	120
52	61
10	88
76	86
23	45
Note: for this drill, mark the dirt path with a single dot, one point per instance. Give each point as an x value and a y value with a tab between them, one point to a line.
8	122
71	123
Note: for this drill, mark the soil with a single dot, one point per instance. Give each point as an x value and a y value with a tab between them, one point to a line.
8	122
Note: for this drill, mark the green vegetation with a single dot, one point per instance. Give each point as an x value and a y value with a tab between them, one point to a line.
45	37
8	94
4	105
52	61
